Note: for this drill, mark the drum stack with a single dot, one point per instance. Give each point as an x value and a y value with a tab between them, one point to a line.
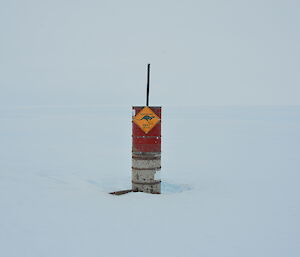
146	149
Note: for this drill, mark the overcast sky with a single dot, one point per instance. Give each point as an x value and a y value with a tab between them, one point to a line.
202	52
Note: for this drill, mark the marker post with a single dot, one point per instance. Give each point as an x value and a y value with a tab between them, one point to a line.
146	146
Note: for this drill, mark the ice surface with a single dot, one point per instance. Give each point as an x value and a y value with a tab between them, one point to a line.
230	183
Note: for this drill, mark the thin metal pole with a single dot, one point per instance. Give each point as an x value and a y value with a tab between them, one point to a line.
148	85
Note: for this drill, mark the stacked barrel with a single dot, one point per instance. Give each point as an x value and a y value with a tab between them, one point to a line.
146	149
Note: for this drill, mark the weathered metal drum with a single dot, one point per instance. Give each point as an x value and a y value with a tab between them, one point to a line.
146	149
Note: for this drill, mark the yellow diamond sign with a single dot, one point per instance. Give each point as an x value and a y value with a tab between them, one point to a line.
146	119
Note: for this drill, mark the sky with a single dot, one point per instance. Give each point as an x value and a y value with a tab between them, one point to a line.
95	52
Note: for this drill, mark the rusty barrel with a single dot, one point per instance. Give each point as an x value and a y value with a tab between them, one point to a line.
146	149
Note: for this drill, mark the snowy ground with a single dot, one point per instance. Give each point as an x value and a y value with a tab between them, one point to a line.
231	184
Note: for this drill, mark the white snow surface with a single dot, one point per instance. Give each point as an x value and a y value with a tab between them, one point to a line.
230	183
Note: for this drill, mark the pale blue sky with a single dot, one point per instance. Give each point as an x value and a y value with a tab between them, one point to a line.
202	52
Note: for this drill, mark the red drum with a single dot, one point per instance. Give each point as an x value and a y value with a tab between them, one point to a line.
146	141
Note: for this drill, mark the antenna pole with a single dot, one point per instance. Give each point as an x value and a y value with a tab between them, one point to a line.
148	85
